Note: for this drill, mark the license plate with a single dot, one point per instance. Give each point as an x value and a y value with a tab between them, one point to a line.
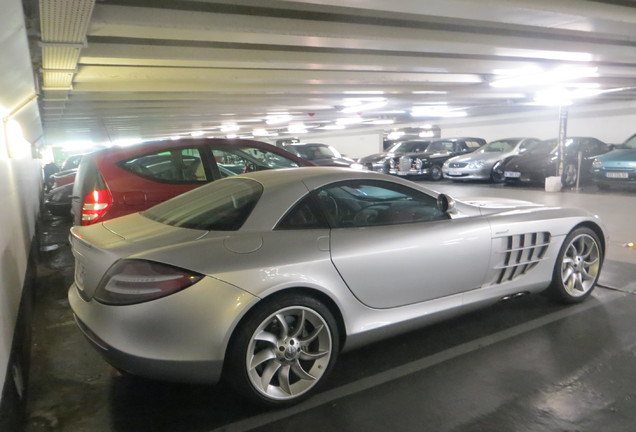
453	173
619	175
80	274
512	174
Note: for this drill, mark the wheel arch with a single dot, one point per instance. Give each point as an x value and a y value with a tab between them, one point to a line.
597	230
309	292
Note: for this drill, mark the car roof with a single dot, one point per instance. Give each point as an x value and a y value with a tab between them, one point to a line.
116	153
287	185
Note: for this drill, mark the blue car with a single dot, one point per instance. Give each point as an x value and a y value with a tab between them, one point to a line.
618	167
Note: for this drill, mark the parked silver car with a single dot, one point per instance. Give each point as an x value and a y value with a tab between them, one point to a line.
485	163
429	162
266	277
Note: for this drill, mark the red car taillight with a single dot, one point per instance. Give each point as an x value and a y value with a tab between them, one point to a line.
95	206
136	281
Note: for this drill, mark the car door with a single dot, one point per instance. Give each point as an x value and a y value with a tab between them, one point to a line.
393	246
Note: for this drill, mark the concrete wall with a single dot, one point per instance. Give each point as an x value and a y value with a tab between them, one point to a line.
20	187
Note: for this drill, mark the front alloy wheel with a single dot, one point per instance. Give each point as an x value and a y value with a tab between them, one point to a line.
284	350
578	266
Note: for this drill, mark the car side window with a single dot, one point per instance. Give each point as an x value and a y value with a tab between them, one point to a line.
359	204
170	166
304	215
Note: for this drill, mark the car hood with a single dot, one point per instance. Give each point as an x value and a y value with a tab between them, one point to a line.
491	205
337	162
529	161
487	157
375	157
619	155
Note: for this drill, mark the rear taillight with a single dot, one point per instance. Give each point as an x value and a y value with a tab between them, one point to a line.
95	206
136	281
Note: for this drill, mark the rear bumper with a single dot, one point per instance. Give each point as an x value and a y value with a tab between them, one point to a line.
182	337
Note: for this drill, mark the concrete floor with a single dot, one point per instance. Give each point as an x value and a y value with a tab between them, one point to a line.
524	365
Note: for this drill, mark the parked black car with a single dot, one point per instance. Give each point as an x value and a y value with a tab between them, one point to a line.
58	200
542	161
319	154
382	162
429	162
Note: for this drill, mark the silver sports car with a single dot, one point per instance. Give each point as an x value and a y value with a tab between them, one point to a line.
264	278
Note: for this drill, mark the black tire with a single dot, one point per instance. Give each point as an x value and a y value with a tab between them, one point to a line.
436	173
291	343
497	174
578	266
570	175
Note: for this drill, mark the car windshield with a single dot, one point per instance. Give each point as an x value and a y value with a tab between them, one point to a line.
312	152
439	147
631	142
502	146
547	147
407	146
223	205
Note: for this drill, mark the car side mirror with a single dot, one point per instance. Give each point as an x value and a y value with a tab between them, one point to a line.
445	204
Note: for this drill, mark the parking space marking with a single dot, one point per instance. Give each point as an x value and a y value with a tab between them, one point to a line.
366	383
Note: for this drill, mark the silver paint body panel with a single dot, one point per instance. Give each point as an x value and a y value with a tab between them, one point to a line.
382	280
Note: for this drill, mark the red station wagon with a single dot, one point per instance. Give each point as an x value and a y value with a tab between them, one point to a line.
122	180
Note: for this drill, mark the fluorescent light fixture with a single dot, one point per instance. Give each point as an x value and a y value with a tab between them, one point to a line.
231	136
383	122
197	134
333	127
123	142
260	132
551	77
369	106
431	92
436	111
395	135
427	134
364	92
553	97
230	128
296	128
278	119
349	120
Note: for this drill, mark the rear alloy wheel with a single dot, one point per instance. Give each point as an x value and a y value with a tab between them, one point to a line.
283	351
578	266
570	174
436	173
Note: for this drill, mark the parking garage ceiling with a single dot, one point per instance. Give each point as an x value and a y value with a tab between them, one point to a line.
140	69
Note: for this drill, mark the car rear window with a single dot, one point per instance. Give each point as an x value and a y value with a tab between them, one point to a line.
222	205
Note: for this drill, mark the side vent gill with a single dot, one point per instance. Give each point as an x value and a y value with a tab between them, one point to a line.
520	253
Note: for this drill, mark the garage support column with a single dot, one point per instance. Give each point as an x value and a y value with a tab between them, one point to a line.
563	125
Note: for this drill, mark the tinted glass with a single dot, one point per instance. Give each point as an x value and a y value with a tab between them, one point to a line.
304	215
440	146
238	160
631	142
373	203
499	146
172	166
223	205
